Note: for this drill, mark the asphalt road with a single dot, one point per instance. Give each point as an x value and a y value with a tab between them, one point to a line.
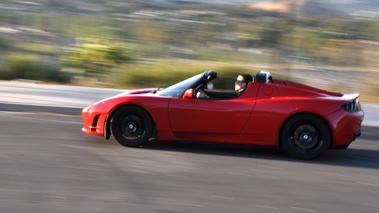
48	165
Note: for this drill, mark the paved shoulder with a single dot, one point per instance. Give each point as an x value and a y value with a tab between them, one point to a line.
20	96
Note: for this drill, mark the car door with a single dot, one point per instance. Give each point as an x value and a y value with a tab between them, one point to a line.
210	115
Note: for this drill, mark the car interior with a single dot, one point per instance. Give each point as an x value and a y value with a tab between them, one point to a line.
216	93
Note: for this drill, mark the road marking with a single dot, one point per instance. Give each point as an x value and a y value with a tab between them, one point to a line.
52	196
80	168
303	209
221	197
269	167
191	204
132	204
237	173
371	205
24	115
368	184
267	207
178	176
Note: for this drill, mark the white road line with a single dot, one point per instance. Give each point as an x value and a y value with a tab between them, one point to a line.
303	209
237	173
23	116
178	176
269	167
267	207
368	184
191	204
371	205
132	204
52	196
221	197
80	168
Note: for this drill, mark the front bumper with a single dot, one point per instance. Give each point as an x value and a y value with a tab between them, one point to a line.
94	119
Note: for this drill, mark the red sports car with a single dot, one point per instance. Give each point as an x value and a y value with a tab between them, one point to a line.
302	120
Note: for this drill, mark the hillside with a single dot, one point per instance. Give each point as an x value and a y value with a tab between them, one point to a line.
120	43
346	6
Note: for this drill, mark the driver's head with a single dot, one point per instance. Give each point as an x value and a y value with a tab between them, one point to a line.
242	81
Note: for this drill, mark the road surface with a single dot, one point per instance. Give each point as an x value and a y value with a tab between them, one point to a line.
48	165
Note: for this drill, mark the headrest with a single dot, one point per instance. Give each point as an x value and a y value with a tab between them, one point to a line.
263	77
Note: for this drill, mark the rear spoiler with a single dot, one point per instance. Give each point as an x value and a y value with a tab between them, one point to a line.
350	96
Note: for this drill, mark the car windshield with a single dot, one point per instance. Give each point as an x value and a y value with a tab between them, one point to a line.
178	89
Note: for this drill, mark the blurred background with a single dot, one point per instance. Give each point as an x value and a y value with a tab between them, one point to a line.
330	44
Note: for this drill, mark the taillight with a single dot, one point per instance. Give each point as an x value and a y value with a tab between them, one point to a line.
351	106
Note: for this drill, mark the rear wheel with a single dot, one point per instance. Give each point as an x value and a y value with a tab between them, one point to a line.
131	126
305	136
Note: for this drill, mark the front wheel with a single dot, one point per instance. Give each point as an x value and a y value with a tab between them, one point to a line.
131	126
305	136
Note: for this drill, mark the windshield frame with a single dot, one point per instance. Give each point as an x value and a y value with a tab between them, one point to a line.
178	89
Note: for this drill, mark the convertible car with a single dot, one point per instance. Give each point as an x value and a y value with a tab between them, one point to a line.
303	121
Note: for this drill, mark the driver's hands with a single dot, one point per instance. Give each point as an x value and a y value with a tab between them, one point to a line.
201	94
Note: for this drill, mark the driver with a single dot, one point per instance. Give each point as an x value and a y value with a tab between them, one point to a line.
242	81
239	85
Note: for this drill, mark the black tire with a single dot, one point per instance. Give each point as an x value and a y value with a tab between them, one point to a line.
131	126
305	136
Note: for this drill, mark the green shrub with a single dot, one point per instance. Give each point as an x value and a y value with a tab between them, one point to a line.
26	66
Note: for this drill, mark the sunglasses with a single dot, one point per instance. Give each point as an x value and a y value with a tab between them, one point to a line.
239	82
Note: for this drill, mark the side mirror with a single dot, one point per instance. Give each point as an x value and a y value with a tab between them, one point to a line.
188	94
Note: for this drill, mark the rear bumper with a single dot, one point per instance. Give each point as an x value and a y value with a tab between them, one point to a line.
346	127
358	134
345	146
